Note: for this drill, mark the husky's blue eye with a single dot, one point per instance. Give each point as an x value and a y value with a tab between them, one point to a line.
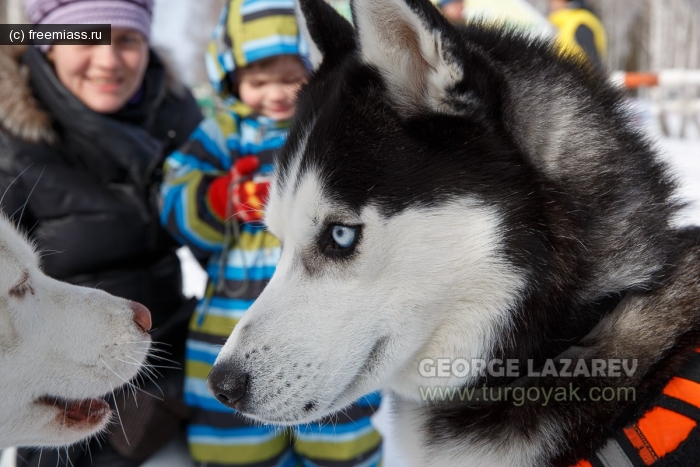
344	236
340	241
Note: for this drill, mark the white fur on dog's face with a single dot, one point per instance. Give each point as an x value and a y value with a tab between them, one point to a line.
58	341
325	332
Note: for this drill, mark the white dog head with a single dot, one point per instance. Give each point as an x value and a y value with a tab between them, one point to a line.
62	348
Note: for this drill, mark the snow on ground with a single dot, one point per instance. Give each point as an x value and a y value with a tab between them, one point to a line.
683	156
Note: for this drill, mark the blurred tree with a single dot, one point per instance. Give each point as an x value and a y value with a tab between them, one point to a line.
622	20
674	34
12	11
203	16
540	5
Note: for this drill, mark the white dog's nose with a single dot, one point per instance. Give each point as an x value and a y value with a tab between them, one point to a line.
142	316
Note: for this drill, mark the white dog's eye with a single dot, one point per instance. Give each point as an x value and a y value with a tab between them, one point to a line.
344	236
21	289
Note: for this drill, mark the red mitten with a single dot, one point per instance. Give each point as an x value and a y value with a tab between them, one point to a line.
217	195
248	196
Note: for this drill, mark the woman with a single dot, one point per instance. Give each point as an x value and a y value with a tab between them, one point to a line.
84	132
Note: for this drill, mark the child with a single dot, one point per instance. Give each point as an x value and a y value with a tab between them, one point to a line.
214	190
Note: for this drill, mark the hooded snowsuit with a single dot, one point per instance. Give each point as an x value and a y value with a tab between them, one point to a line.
240	259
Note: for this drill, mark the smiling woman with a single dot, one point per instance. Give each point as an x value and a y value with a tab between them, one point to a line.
103	77
84	130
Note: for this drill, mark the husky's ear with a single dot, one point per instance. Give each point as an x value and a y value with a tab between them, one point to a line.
329	35
413	46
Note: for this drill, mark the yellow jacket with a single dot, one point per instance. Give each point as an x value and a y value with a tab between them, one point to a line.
580	33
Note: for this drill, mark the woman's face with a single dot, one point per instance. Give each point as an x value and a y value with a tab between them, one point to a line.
103	77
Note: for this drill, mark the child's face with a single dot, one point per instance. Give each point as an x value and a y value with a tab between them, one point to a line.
271	89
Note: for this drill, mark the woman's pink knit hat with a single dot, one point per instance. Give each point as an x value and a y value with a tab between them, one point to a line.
129	14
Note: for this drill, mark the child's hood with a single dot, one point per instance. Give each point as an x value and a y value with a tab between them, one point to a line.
249	31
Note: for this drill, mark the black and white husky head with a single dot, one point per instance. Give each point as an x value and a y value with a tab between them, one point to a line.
443	193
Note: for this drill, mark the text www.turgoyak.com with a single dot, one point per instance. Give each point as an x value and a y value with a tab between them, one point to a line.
519	396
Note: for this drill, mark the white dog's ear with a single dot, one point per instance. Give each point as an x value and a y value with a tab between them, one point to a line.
412	46
329	35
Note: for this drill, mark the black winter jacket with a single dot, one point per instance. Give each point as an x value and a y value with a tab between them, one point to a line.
84	185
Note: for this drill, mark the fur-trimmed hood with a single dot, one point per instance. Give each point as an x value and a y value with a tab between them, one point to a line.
22	116
20	113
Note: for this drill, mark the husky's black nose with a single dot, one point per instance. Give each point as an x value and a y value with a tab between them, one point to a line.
228	383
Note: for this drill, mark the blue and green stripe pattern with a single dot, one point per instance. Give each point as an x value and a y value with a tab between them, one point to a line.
239	268
217	436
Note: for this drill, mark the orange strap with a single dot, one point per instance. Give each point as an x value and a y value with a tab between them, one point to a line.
659	432
663	428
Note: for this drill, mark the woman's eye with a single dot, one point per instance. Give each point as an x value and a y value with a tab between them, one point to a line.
130	39
344	237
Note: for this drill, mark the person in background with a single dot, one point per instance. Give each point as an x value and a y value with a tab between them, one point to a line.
453	10
84	131
215	188
579	30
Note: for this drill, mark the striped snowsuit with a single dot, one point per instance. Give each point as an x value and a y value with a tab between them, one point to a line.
216	435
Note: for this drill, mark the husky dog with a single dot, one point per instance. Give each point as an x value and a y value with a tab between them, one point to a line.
62	348
467	194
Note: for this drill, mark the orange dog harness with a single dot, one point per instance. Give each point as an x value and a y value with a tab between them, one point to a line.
666	435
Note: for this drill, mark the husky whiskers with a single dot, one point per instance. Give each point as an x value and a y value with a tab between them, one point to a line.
62	349
463	194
